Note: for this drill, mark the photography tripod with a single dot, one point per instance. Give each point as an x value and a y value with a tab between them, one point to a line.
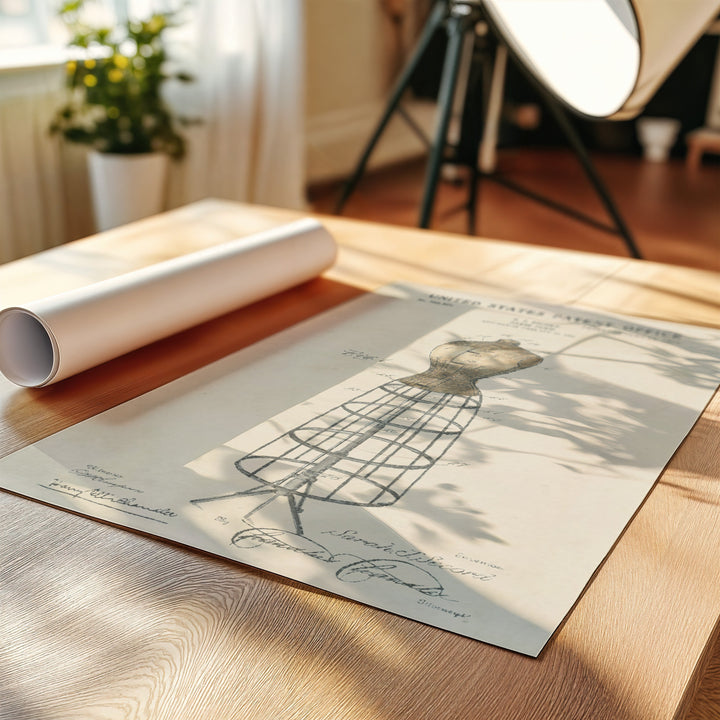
460	17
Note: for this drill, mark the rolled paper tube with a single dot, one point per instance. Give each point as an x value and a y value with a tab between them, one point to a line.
53	338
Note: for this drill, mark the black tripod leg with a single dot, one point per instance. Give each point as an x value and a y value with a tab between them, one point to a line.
473	192
577	145
456	27
483	88
434	21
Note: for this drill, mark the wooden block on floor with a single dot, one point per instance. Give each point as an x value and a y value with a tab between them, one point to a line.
699	142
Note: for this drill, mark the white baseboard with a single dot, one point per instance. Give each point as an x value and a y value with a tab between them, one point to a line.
335	140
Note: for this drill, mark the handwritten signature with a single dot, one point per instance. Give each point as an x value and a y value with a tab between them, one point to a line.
397	572
129	502
417	557
99	496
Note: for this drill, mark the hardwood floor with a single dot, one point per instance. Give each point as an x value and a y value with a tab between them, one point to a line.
672	212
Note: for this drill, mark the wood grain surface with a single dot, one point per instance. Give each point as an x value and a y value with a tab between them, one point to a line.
98	622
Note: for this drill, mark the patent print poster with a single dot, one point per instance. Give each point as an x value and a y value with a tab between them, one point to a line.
463	462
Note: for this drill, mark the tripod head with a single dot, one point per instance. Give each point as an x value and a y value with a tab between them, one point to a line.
459	8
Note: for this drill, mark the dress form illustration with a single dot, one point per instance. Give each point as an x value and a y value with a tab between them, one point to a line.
370	450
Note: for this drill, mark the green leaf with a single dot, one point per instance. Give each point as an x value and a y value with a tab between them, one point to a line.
117	105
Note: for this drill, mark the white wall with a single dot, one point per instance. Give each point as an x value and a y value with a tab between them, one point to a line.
353	54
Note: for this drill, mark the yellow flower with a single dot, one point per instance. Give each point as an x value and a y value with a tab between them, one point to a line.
120	61
89	64
115	75
90	80
71	66
155	24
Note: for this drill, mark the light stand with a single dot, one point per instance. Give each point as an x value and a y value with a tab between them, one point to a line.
460	17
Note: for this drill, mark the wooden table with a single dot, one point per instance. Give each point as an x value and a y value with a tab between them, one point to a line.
99	622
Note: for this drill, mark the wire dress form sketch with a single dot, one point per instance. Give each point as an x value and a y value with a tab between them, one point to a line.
370	450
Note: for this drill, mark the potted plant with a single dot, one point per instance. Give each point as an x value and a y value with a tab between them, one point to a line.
115	106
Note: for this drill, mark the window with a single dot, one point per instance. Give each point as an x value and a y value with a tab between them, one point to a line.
32	34
23	23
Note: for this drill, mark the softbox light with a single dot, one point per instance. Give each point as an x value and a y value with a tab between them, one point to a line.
602	58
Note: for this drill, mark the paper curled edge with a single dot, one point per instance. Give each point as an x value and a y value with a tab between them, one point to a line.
50	339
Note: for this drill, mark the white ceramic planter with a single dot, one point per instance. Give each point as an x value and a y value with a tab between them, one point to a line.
126	187
657	136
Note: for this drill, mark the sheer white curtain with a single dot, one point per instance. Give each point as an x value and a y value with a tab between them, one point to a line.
249	93
248	60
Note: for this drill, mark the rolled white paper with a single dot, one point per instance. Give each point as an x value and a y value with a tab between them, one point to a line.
50	339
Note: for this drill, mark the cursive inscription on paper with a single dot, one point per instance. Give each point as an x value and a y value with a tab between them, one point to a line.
354	569
398	572
98	474
440	608
112	500
359	355
420	558
283	540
